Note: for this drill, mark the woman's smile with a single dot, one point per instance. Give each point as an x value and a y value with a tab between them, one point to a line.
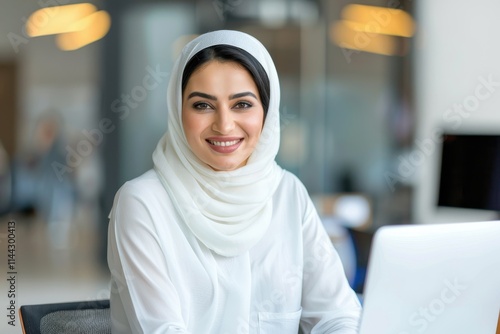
224	145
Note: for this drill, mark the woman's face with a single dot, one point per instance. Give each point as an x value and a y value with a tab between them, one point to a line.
222	114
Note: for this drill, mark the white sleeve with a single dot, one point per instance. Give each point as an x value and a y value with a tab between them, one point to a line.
142	292
329	305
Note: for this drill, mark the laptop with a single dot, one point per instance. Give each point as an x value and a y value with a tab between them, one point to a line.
433	279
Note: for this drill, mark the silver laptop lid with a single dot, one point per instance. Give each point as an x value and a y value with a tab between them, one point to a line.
433	279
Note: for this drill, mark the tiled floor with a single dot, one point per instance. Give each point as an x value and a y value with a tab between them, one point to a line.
45	274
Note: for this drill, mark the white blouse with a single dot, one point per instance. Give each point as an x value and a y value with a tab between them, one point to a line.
165	281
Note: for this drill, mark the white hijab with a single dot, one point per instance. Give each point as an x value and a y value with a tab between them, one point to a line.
228	212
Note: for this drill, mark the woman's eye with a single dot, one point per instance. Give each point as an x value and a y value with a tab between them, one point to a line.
242	105
201	106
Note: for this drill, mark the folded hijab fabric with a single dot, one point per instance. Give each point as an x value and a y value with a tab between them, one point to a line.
228	211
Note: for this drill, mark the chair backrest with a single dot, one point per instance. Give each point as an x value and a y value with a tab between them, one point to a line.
73	317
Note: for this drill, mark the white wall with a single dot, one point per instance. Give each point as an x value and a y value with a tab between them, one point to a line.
456	50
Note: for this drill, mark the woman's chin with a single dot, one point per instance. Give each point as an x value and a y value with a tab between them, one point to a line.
226	166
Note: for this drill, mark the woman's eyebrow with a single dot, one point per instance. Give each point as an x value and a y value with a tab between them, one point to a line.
237	95
204	95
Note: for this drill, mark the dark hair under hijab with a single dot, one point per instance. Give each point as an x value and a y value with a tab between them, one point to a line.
223	53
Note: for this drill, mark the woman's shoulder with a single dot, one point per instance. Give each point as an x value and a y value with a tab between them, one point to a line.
291	184
147	182
146	188
292	195
143	196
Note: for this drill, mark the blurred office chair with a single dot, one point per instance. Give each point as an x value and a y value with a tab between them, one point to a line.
91	317
343	215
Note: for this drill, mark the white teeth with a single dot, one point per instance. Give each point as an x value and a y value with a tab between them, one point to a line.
224	143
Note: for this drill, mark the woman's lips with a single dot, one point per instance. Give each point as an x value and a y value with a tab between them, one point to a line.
226	145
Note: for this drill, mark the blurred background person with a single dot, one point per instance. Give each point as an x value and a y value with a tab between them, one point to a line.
35	185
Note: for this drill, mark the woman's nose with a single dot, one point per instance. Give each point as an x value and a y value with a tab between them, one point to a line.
223	122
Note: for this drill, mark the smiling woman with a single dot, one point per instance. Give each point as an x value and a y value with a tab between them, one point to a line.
217	238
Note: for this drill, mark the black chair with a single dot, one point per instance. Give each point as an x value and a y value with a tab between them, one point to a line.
91	317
